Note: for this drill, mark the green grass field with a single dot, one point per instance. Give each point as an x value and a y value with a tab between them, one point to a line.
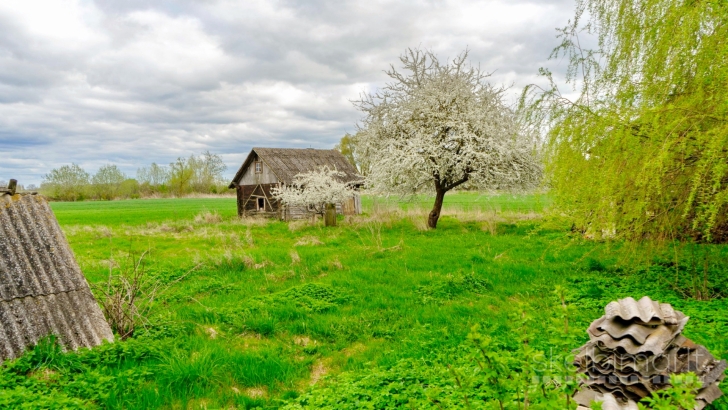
374	313
139	211
136	212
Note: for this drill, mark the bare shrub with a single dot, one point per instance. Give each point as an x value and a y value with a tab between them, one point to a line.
374	227
490	226
127	297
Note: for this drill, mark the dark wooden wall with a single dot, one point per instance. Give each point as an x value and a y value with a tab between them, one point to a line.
248	199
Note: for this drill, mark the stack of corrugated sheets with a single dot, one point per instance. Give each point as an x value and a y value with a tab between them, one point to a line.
633	350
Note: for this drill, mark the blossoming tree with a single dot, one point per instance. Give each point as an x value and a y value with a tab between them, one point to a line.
314	190
440	126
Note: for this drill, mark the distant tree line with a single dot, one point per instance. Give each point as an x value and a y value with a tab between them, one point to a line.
202	174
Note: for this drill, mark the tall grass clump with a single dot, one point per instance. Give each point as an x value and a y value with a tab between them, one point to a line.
208	217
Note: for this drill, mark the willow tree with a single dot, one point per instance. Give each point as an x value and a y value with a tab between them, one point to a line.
643	150
438	126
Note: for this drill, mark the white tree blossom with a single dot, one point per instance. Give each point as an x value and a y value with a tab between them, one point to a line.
440	126
313	190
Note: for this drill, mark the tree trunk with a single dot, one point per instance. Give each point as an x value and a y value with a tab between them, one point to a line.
330	215
435	213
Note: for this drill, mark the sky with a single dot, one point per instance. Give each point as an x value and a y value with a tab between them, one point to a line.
139	81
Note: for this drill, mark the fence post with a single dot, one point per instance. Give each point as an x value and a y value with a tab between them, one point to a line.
330	215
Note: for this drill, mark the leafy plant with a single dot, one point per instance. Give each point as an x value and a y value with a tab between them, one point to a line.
679	396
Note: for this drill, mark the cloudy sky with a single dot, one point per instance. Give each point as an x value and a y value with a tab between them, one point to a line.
138	81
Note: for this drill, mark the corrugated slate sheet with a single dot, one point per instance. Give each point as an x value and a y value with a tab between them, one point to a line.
42	289
286	163
633	350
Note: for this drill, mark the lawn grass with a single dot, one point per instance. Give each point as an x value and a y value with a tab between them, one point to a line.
258	311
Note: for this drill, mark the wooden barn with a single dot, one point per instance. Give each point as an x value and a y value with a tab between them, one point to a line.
266	168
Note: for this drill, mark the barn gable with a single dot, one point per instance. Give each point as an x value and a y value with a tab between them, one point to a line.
252	176
42	289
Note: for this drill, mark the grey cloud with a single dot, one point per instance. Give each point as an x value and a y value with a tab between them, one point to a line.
136	82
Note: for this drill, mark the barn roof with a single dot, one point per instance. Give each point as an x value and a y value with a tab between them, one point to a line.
286	163
42	289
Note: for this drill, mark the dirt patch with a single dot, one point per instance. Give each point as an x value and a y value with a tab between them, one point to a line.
317	372
211	332
304	341
280	277
250	340
45	375
336	264
258	392
356	348
295	258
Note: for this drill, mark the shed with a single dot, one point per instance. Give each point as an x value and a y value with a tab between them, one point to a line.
42	289
266	168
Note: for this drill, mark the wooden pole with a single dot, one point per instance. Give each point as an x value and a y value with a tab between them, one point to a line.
330	215
12	186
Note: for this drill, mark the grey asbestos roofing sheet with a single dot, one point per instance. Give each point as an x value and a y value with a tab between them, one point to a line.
643	311
42	288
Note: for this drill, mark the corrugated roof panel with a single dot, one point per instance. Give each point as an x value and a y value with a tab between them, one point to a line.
29	241
42	288
643	311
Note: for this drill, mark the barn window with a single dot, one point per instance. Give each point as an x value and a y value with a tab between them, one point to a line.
258	167
261	204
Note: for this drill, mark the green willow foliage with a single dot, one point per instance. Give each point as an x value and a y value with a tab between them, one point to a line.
643	151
